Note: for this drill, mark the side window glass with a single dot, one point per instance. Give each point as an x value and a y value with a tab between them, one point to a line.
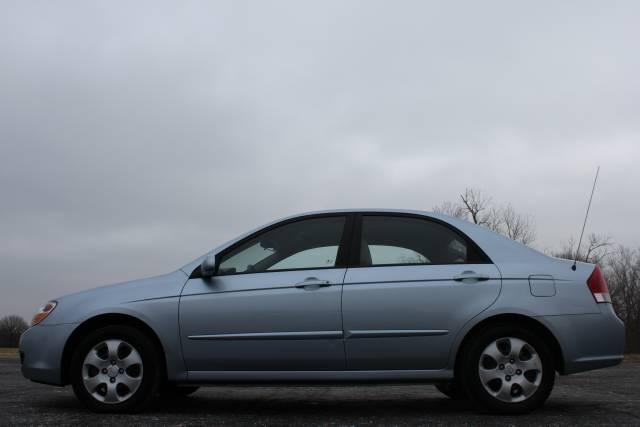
324	256
243	261
310	243
381	254
396	240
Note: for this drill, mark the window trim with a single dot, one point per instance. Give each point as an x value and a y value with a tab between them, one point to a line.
342	257
349	248
354	259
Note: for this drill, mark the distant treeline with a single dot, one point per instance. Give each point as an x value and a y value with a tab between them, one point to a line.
11	327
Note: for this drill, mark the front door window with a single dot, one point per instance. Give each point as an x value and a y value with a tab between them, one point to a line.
306	244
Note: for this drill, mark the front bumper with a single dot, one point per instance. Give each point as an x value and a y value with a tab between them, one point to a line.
589	341
41	348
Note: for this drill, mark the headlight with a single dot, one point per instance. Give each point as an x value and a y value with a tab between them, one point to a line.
44	311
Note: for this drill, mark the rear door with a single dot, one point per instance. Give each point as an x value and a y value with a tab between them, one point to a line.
416	283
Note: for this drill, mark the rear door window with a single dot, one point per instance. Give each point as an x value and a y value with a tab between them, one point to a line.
398	240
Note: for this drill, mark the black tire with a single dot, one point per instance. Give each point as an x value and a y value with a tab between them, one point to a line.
151	374
451	389
169	390
470	375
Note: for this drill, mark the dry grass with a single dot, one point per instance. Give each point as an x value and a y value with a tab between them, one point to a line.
8	353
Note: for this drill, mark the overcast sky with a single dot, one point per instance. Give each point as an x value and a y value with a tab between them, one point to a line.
135	136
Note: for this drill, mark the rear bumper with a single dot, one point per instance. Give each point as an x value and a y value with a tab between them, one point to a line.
588	341
41	350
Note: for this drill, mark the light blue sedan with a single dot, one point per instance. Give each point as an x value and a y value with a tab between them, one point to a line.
357	295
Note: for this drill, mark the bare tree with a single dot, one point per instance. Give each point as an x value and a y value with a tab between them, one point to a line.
11	327
597	248
594	250
493	221
515	226
622	273
477	207
476	204
451	209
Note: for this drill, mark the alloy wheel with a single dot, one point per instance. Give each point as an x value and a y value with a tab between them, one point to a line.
510	369
112	371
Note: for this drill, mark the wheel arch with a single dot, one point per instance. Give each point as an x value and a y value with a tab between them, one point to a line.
99	321
520	319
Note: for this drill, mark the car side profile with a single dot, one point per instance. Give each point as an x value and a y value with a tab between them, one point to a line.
346	295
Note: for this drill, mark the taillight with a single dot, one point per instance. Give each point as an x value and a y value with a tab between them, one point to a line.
598	287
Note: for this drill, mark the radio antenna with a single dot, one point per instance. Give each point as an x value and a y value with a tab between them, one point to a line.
575	261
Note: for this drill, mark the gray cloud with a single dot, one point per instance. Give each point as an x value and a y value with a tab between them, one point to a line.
134	137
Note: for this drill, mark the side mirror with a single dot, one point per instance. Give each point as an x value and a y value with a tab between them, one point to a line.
209	266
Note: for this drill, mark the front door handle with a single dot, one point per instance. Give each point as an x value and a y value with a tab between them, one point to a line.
470	276
311	283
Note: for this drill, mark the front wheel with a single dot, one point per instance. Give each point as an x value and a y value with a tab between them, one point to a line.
115	369
508	369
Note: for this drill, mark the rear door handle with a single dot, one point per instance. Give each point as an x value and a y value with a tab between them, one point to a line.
311	283
470	276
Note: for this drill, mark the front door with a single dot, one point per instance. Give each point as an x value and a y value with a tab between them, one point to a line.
274	303
417	283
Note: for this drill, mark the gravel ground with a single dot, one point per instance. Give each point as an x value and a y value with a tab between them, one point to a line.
606	397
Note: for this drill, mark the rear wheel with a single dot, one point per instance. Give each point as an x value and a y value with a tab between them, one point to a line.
508	369
115	369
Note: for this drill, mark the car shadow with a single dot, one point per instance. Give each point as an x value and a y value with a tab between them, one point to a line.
316	406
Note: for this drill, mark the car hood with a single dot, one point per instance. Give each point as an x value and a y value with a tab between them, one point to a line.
75	307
